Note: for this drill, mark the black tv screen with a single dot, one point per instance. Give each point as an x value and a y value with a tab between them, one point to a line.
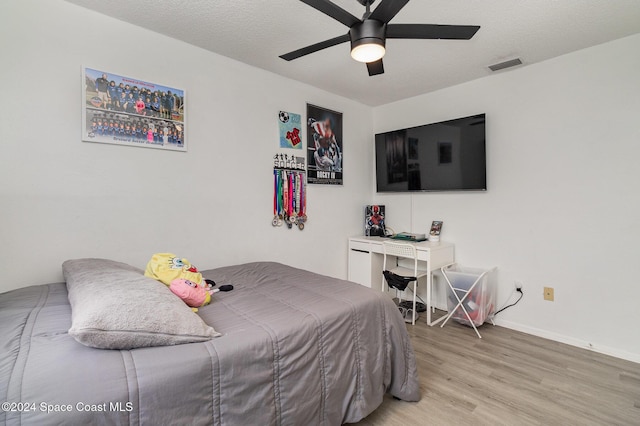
445	156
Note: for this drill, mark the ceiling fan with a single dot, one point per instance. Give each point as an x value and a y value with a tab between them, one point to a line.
368	35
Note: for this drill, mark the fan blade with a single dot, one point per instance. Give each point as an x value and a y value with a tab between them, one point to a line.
375	68
387	10
431	31
315	47
333	11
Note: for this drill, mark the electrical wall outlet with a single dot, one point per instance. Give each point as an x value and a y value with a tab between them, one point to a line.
548	294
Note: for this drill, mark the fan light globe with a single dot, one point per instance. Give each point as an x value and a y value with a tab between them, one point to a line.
368	52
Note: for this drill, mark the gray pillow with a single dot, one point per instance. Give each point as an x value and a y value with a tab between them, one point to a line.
114	306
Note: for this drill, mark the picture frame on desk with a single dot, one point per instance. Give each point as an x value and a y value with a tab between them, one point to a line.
436	229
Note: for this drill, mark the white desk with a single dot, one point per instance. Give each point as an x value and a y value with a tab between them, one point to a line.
366	257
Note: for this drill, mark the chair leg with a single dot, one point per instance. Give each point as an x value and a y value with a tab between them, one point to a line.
415	290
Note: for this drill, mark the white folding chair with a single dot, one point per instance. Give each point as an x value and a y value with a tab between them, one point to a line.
464	284
410	275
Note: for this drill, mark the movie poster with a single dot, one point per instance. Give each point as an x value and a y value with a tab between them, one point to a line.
324	146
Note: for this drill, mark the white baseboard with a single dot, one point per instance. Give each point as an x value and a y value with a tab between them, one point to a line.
569	340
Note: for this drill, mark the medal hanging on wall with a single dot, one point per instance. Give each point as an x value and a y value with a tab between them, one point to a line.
277	207
289	191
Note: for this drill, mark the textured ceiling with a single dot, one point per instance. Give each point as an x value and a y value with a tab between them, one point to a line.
256	32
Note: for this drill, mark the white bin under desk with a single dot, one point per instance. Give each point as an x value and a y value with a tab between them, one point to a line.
471	299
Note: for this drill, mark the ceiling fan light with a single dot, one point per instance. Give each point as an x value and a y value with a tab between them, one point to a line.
367	40
367	52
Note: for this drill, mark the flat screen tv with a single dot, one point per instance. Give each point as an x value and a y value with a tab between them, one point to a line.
445	156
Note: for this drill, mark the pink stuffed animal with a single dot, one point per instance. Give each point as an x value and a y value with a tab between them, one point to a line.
193	294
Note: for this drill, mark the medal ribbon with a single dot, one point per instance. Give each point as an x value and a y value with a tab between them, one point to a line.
285	192
303	195
291	196
275	192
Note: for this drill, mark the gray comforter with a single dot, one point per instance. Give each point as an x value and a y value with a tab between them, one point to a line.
297	348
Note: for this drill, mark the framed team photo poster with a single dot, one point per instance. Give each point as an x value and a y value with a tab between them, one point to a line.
324	146
123	110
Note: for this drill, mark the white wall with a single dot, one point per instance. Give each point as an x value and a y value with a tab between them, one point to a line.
61	198
561	209
562	206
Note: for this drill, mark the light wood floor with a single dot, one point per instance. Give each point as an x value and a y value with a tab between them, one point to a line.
512	378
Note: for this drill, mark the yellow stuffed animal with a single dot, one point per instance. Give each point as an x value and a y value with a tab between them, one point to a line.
166	267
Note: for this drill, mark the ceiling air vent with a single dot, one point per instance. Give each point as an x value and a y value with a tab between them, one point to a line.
506	64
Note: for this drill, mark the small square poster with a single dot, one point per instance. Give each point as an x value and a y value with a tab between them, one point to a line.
290	127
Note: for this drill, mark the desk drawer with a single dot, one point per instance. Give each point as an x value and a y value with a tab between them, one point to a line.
360	246
423	255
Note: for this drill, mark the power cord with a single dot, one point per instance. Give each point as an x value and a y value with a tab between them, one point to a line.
519	290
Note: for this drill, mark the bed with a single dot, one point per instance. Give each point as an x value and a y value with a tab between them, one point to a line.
285	347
